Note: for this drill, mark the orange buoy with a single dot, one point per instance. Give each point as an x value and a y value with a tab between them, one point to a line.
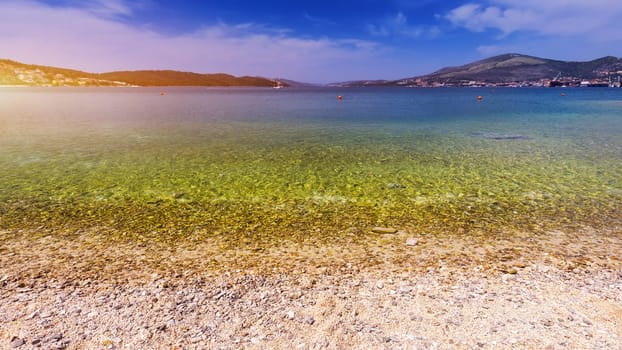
340	97
479	98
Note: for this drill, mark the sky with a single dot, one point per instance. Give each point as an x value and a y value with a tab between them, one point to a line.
313	41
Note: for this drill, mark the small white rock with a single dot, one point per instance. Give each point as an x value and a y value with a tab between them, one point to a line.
412	242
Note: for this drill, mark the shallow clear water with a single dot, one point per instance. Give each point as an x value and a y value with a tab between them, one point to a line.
264	164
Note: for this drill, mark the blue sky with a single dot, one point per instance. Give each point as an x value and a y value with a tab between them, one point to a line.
313	41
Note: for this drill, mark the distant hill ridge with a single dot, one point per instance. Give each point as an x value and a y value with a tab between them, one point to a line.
509	68
16	73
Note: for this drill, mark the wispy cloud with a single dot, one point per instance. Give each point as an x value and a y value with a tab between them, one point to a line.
105	8
317	20
398	25
90	38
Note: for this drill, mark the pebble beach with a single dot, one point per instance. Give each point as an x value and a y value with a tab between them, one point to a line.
400	291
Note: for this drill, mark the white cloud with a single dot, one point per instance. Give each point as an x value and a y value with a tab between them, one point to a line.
89	38
544	17
560	29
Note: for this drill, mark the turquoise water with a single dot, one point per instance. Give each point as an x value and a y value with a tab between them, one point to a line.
265	165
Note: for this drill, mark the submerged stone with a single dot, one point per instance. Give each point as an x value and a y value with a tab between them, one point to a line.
495	136
384	230
394	185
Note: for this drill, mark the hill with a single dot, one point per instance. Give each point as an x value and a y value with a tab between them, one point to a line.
511	69
176	78
16	73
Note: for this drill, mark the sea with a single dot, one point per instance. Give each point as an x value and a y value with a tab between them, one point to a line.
302	164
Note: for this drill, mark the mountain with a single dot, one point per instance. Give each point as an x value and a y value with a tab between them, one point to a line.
515	68
16	73
508	69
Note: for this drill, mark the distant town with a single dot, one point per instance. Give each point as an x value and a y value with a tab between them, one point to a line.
609	79
40	78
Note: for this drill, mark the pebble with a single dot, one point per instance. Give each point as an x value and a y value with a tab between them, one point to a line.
17	342
412	242
309	320
195	340
143	335
404	290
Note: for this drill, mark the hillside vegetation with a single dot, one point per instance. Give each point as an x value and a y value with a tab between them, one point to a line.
16	73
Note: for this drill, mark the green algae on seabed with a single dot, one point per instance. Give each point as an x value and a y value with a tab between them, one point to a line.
255	184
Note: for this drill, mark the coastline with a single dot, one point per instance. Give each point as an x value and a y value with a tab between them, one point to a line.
511	290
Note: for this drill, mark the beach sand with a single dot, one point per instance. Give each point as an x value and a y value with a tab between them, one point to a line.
409	290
